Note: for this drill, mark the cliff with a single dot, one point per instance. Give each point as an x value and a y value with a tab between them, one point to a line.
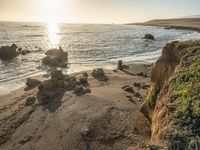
173	100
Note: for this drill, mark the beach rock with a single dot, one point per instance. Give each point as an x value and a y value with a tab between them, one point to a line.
83	81
30	82
30	101
120	65
80	90
138	95
99	74
70	83
149	37
85	74
140	85
142	74
50	88
7	52
57	75
128	89
56	57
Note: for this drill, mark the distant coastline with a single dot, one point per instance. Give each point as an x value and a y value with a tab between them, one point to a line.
183	23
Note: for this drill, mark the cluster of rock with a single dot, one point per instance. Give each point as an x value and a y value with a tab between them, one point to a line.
60	83
7	52
130	89
55	57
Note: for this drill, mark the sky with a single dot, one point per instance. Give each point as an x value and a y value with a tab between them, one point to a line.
96	11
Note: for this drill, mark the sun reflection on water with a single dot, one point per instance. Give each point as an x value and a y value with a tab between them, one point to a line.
53	30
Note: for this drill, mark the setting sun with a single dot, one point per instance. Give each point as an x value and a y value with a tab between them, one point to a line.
51	10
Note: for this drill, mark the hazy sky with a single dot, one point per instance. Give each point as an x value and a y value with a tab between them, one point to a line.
96	11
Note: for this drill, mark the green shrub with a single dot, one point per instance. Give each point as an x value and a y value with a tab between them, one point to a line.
184	131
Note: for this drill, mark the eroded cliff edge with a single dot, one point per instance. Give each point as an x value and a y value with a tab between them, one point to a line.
173	100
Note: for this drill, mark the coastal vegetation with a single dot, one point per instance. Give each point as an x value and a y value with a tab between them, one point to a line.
184	132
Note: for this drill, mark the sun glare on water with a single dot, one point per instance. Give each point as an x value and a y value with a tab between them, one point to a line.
51	16
53	30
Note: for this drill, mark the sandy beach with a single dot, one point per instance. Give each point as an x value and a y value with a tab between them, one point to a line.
106	118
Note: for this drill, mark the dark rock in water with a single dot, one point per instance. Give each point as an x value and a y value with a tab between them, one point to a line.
24	52
30	101
32	82
56	57
149	37
99	74
7	52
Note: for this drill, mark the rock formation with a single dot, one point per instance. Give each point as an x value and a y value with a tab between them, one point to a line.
31	83
149	37
60	83
99	74
55	57
7	52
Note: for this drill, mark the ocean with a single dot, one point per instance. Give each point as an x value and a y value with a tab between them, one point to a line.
89	45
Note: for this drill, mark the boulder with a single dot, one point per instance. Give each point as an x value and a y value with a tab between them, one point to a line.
70	83
142	74
7	52
128	89
30	82
55	57
80	90
149	37
120	65
99	74
50	88
83	80
30	101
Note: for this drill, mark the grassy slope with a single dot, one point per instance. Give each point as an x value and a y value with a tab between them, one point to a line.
184	131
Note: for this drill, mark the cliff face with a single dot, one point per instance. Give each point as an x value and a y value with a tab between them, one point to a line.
173	101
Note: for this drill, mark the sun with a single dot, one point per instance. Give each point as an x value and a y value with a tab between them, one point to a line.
51	10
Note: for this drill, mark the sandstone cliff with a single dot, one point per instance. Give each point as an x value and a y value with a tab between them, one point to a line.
173	101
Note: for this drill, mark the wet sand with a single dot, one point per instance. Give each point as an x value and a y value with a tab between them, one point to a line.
106	118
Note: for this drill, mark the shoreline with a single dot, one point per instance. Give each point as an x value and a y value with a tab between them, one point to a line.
19	82
192	24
